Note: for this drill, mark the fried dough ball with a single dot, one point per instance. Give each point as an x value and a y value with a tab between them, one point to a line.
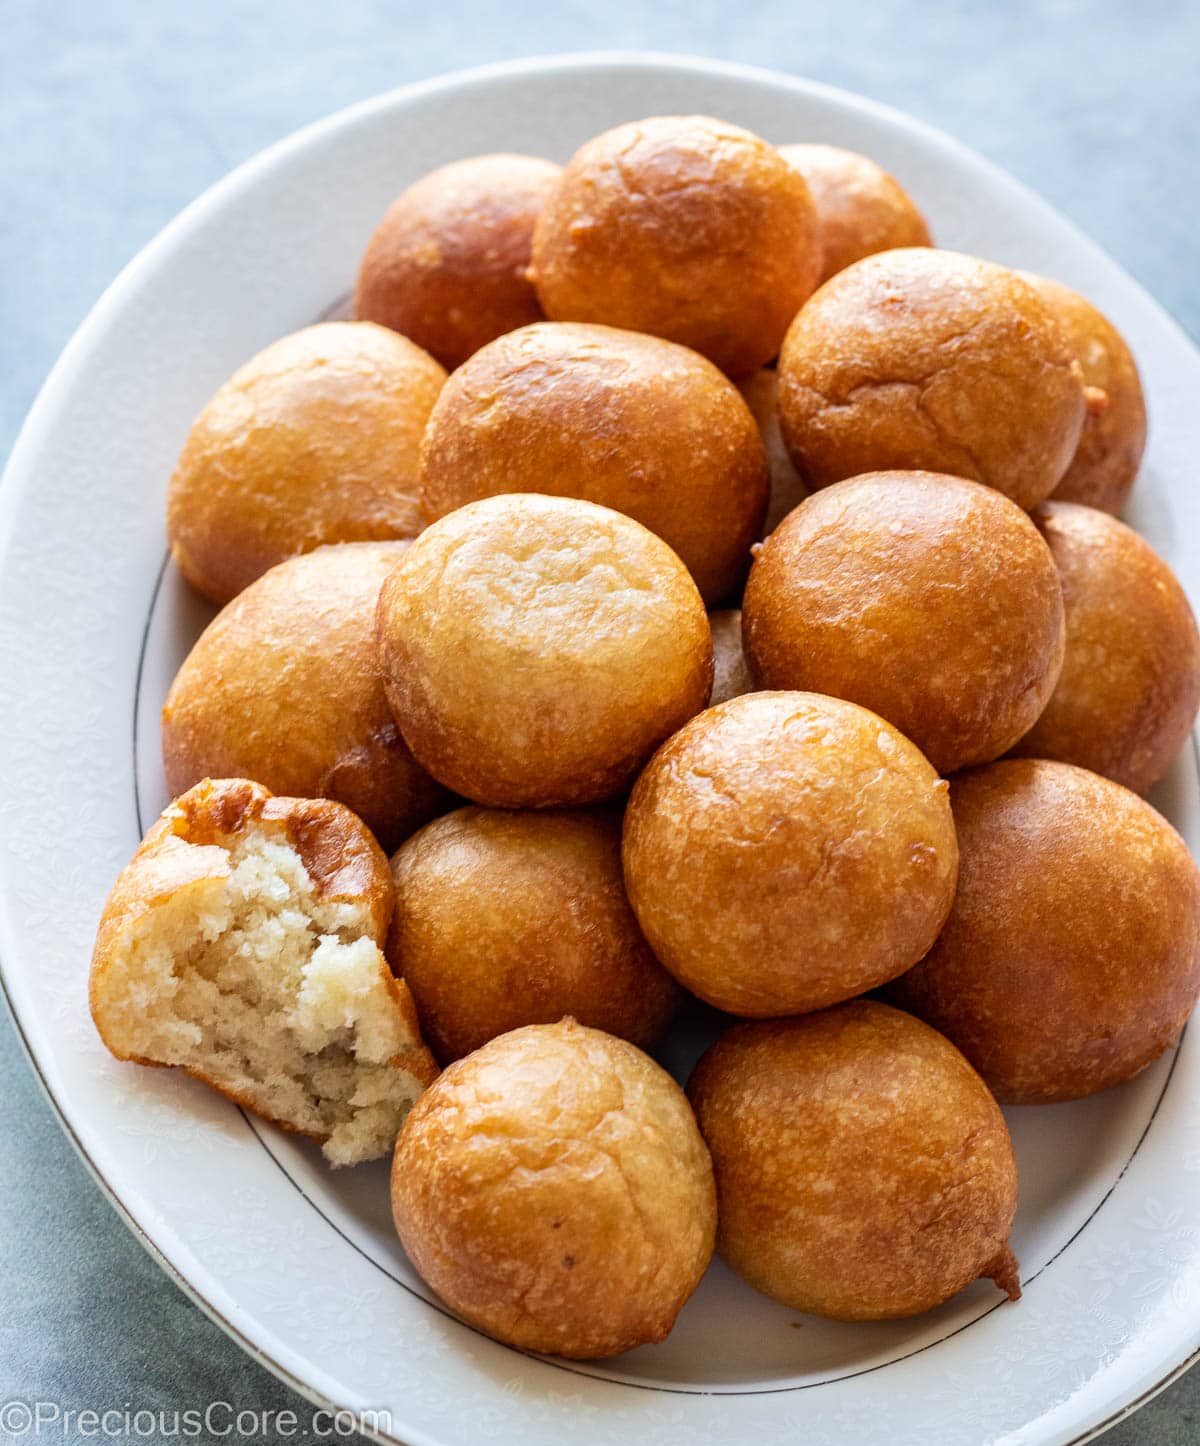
1106	462
536	650
929	599
683	226
243	944
316	439
787	489
284	687
731	672
785	851
1130	684
861	209
1071	958
554	1190
918	358
631	422
447	264
863	1170
505	919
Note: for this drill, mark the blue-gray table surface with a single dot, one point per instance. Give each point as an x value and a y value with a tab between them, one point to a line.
115	113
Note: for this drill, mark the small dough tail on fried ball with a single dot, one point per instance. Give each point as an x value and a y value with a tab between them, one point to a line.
536	650
505	919
627	421
863	1170
284	687
554	1190
685	227
919	358
314	440
243	944
861	209
1127	696
447	264
1071	958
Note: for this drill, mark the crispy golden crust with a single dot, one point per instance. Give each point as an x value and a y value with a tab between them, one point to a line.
184	853
338	852
918	358
612	417
863	1170
684	227
861	209
1071	958
506	919
553	1188
284	687
931	600
1106	462
536	650
787	489
731	672
314	440
447	264
785	851
1130	685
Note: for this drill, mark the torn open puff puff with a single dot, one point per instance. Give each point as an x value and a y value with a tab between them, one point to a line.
242	944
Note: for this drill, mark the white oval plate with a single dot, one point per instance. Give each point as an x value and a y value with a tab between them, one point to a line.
301	1265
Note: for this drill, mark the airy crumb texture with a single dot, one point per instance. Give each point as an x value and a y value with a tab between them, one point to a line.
237	967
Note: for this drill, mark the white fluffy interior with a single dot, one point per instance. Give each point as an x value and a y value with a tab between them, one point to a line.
272	994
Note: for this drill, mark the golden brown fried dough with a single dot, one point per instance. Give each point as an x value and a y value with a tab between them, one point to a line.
1130	685
506	919
631	422
861	209
929	599
1106	462
761	391
316	439
919	358
785	851
447	264
683	226
243	944
1071	958
554	1190
863	1170
284	687
731	672
536	650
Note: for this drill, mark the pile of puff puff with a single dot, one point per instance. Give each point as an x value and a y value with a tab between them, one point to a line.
742	623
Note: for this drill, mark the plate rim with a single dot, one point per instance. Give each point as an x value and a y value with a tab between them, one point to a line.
244	176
